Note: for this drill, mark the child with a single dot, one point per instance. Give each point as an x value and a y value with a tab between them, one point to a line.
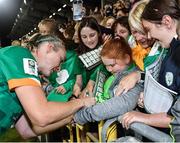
117	57
121	27
48	26
64	78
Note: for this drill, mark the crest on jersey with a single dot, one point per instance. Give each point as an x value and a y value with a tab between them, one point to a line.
169	78
30	66
63	75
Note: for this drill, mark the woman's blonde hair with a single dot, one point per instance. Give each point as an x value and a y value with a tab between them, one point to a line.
36	39
134	18
104	21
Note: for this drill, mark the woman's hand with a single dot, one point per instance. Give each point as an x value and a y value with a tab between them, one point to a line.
88	101
127	83
130	117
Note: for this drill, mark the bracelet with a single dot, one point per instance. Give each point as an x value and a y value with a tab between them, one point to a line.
76	97
142	77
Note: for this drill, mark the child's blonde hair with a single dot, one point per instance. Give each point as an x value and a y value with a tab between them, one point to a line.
51	23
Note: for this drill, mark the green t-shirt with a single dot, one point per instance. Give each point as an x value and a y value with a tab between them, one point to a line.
65	77
70	65
17	68
105	95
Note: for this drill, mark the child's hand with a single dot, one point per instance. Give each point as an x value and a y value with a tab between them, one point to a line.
85	93
141	100
127	83
76	90
60	89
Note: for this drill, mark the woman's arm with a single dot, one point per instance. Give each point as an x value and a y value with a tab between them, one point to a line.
26	130
157	120
41	112
39	130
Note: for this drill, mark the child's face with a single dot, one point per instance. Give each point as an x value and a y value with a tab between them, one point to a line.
109	23
115	65
45	29
121	31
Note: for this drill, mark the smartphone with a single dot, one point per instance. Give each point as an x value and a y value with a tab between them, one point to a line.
77	10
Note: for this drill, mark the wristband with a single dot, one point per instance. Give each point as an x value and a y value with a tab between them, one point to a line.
142	77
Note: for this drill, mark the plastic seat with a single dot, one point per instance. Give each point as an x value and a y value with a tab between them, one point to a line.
111	133
71	136
109	130
141	129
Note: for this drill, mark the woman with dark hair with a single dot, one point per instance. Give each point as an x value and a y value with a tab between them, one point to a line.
159	18
90	39
89	25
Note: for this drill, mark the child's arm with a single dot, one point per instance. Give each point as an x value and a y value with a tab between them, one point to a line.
89	89
77	86
65	87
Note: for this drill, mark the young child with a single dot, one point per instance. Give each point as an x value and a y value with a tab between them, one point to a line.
121	28
117	57
48	26
64	78
110	64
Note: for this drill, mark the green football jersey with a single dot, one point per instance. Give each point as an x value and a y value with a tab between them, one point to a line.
17	68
